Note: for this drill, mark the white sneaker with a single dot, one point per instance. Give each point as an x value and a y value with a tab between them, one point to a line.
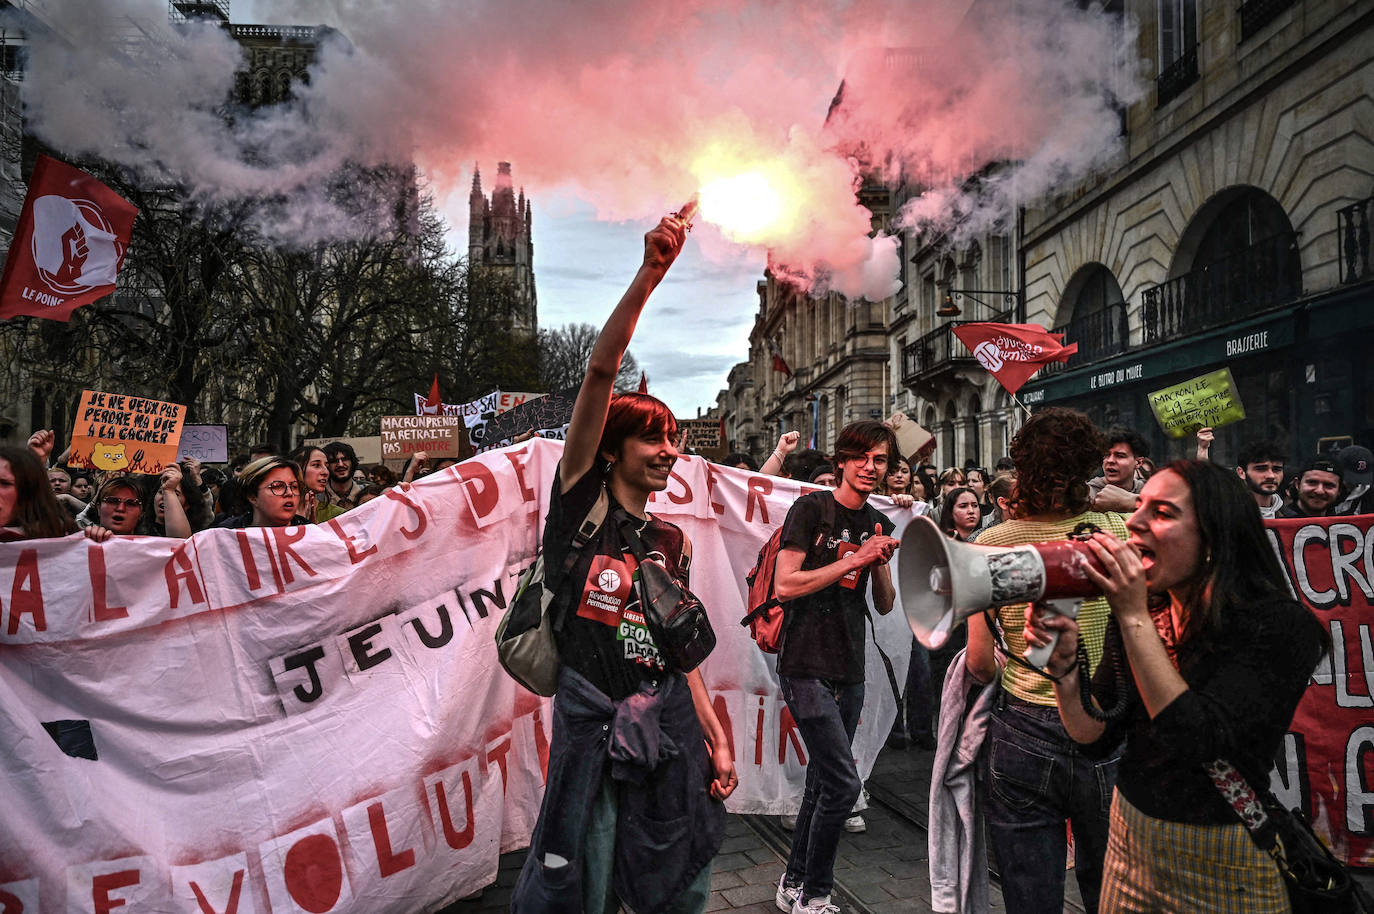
789	823
787	894
819	905
855	824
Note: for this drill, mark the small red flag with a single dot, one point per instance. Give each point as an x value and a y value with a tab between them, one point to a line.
1013	352
69	244
434	403
643	383
779	363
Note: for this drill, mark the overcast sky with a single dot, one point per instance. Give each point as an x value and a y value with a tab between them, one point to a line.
696	325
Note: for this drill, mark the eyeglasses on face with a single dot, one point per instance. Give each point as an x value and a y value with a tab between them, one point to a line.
280	488
114	501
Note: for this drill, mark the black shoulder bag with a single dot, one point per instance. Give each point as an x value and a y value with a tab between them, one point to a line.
674	616
1317	882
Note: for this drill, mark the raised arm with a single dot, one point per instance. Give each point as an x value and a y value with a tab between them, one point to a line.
787	443
661	247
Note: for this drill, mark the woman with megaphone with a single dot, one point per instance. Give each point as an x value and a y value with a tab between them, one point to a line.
1211	655
1037	778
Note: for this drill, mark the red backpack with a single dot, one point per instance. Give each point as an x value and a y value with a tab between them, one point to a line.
764	618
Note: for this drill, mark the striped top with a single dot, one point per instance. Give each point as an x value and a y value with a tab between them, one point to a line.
1092	617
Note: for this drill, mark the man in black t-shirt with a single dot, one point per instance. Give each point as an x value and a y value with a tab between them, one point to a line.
829	554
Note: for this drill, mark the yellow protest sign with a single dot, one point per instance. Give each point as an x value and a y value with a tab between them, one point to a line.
1207	400
124	434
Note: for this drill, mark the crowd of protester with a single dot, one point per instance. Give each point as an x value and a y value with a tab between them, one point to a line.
41	496
1191	596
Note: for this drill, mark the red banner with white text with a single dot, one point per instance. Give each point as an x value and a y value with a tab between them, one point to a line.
1326	764
312	719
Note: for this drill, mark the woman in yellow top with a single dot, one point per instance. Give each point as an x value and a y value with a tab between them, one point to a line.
1037	777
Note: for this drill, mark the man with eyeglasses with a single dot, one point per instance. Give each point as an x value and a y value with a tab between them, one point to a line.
343	491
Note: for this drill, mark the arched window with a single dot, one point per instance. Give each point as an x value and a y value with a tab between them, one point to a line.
1093	314
1239	255
972	446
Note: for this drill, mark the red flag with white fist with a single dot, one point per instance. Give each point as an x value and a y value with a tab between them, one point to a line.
1013	352
69	244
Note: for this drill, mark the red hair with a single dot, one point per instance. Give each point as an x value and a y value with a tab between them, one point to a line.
634	414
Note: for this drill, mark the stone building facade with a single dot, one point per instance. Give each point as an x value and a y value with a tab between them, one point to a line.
1232	233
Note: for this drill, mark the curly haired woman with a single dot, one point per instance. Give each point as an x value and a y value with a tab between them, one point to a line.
1037	776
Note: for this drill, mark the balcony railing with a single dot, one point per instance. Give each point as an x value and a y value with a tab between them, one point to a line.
1352	230
1176	77
939	350
1098	335
1256	14
1262	276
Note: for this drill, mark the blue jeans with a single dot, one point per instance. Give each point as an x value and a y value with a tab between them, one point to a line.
1036	779
827	716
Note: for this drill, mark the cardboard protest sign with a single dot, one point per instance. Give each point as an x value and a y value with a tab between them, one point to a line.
206	443
1207	400
368	448
702	436
120	433
437	436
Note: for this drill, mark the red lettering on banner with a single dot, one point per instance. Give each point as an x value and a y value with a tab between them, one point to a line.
497	750
27	601
10	904
788	733
480	485
723	715
187	576
686	495
454	838
354	556
760	487
230	907
104	884
711	481
250	564
398	494
313	873
285	536
101	611
388	861
758	736
518	460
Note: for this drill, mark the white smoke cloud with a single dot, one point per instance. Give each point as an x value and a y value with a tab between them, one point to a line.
621	100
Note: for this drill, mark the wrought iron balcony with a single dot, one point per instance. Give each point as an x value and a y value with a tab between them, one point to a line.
939	351
1260	277
1256	14
1098	335
1352	231
1176	77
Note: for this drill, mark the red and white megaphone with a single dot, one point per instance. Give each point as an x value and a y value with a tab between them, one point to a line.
944	581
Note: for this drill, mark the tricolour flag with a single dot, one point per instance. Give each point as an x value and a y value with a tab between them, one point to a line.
1013	352
69	244
779	363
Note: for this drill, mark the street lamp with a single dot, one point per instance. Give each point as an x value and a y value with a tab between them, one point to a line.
950	307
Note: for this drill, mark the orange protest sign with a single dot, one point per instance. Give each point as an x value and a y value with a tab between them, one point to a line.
124	434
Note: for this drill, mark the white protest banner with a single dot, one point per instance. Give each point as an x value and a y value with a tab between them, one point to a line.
206	443
312	718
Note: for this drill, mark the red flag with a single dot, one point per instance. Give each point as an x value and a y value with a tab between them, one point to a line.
68	246
643	383
434	403
779	363
1013	352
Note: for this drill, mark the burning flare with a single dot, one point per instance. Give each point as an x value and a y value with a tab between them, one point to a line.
746	206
